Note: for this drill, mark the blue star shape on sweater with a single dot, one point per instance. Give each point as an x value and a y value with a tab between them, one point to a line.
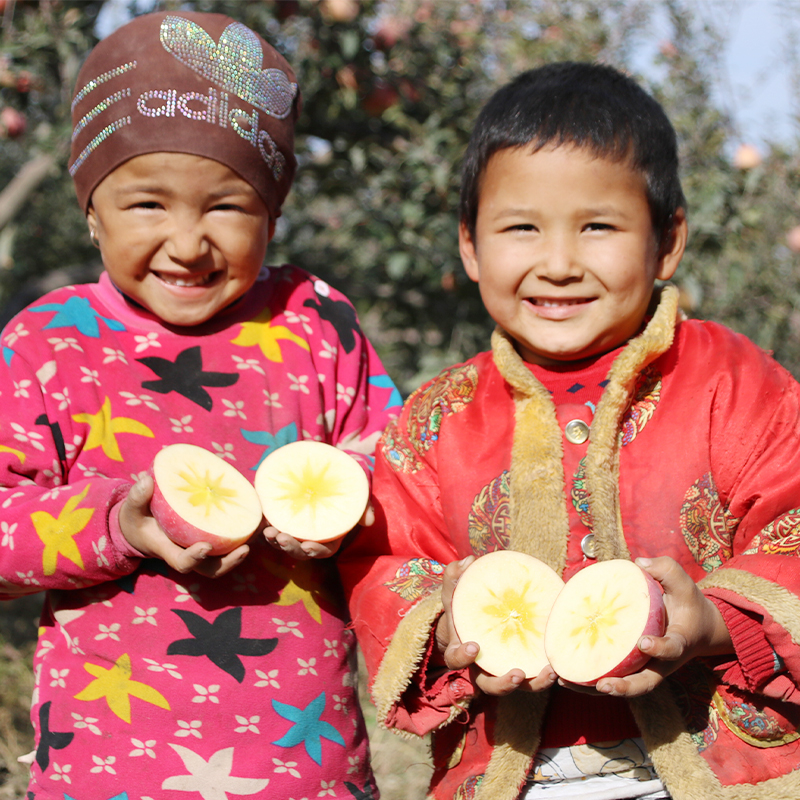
284	436
385	382
122	796
308	727
78	313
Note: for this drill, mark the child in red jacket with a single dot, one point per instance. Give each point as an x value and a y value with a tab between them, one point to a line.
601	425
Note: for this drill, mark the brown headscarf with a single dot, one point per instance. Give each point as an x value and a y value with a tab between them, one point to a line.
186	82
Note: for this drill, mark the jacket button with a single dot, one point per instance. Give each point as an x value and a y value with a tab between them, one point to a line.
588	546
576	431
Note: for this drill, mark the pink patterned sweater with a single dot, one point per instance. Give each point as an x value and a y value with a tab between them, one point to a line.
152	684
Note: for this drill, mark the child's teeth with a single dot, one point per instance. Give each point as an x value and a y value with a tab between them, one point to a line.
187	282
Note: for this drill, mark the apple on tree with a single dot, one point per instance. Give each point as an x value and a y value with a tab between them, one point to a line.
502	602
200	497
312	491
598	619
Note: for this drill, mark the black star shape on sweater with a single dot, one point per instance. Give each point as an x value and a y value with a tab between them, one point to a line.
341	315
48	738
221	641
366	794
185	376
58	437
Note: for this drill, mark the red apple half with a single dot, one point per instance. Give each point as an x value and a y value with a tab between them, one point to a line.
200	497
598	619
312	490
502	602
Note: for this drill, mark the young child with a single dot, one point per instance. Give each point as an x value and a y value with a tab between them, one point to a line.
601	425
162	672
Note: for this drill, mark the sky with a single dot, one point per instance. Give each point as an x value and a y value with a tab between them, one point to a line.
759	93
753	78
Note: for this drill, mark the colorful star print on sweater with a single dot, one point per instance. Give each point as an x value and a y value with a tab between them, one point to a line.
152	684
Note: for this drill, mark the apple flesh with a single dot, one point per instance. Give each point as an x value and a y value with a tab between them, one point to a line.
502	602
200	497
311	490
598	619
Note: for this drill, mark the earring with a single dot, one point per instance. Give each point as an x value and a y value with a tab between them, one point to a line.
93	237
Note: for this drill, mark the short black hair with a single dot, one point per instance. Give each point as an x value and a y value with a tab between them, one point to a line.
592	106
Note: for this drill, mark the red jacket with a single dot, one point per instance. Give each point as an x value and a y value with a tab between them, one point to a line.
693	453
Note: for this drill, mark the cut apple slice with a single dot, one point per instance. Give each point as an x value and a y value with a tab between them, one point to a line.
312	490
597	620
200	497
501	602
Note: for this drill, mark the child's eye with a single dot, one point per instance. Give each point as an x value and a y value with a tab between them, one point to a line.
226	207
599	226
147	204
522	226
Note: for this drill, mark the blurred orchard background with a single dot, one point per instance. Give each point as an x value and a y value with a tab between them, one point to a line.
391	88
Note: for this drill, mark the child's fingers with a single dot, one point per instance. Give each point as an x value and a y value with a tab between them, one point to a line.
544	680
368	517
321	549
669	647
453	571
633	685
669	573
298	549
459	655
499	685
216	566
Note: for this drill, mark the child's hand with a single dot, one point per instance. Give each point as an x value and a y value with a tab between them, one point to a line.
458	654
301	549
694	628
142	532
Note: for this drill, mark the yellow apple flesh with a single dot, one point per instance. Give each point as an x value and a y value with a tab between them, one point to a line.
502	602
200	497
311	490
598	619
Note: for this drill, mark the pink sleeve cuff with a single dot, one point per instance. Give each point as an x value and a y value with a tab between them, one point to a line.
127	557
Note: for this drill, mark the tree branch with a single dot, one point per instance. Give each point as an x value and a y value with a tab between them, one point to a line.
22	185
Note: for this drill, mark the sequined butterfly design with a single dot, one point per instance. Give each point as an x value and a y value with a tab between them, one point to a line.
233	63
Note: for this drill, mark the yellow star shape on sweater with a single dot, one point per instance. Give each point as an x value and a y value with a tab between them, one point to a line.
103	429
57	533
304	584
260	331
116	685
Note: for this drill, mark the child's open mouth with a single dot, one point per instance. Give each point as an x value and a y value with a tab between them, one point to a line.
546	302
186	280
554	308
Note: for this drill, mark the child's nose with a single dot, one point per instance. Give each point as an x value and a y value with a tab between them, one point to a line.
559	262
187	241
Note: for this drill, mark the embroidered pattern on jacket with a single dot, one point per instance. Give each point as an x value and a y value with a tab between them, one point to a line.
646	396
400	456
416	578
489	516
707	525
449	393
764	727
780	537
580	494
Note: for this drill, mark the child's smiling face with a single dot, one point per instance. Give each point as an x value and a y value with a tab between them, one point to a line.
182	235
564	251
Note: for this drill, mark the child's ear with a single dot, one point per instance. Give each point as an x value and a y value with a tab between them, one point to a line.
469	256
673	246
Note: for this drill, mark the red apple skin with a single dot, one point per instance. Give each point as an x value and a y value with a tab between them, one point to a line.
185	534
655	626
